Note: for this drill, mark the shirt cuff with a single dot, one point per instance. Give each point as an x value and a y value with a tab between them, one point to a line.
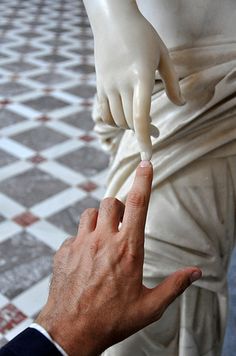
46	334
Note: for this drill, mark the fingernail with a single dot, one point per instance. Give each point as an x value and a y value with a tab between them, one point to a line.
145	163
195	276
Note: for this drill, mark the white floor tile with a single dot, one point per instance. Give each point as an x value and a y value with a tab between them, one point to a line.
9	208
48	233
33	299
58	202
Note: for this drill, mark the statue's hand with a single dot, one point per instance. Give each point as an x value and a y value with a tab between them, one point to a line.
127	53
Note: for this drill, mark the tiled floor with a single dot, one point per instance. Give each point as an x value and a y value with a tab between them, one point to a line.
51	164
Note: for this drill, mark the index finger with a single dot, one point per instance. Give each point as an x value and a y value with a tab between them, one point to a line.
136	206
141	114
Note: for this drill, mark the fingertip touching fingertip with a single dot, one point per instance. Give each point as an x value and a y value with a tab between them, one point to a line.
145	164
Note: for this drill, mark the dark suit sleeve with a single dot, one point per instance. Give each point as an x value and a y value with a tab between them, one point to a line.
30	343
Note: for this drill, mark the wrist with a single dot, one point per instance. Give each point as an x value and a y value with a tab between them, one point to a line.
68	334
105	14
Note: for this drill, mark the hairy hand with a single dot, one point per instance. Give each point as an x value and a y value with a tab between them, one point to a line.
97	297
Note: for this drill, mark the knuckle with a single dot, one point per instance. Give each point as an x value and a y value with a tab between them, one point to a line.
112	203
136	199
58	255
66	243
88	213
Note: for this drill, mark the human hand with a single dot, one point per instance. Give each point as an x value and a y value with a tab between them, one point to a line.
96	296
128	51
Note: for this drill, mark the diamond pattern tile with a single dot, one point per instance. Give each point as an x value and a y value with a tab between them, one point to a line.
46	103
96	160
6	158
81	119
18	67
11	88
58	30
40	138
30	34
6	40
83	51
85	91
55	42
8	117
24	261
68	219
54	58
24	49
82	68
31	187
50	78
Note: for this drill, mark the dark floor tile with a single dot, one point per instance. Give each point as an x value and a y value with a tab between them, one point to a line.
81	119
31	187
13	88
46	103
6	158
84	91
54	58
82	24
18	66
8	118
96	160
82	68
56	42
7	27
40	138
3	56
4	40
84	37
50	78
83	51
35	23
30	34
68	219
24	261
25	49
58	30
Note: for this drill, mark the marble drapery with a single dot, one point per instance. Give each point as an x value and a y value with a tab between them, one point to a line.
191	219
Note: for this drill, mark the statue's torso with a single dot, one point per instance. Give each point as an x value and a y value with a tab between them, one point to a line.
184	22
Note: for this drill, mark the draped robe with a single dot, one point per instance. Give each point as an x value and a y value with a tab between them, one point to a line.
191	217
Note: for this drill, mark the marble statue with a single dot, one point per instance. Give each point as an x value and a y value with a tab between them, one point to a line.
166	88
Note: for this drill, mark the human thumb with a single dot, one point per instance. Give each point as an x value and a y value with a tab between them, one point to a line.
160	297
